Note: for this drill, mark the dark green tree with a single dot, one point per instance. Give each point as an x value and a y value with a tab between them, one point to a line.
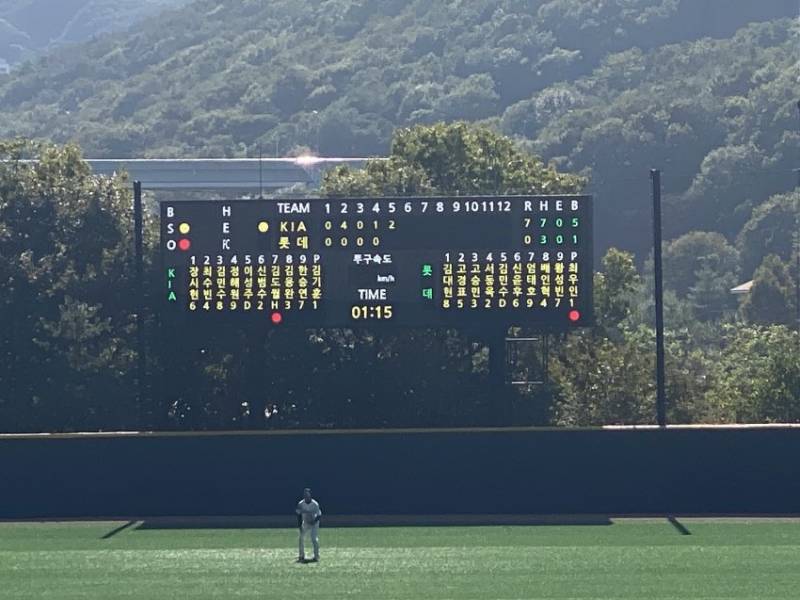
687	255
772	299
67	298
615	289
701	267
453	158
710	297
757	377
602	382
772	229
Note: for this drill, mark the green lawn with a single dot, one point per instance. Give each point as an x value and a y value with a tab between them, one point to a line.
639	559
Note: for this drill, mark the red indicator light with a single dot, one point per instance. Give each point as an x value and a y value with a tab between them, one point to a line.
184	244
276	318
574	315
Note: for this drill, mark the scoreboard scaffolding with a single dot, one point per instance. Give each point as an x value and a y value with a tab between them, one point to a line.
410	262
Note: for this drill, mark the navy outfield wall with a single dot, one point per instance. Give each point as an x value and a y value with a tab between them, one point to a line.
650	471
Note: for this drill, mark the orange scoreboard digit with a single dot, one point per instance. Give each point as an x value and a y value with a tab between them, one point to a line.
411	262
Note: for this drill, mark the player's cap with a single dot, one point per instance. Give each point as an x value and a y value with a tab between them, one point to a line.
306	490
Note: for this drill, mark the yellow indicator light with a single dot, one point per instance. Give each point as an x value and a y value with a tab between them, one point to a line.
263	227
184	228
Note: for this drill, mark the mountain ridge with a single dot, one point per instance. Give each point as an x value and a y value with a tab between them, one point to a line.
608	89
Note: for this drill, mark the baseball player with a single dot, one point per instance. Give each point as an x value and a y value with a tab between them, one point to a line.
308	518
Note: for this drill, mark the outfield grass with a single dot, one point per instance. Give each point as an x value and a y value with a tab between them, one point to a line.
639	559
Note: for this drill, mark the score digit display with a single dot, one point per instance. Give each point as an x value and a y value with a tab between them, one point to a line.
411	262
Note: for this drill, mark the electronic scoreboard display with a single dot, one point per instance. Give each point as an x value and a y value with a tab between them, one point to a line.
412	262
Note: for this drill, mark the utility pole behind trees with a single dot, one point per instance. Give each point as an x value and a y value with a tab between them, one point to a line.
661	395
138	257
797	232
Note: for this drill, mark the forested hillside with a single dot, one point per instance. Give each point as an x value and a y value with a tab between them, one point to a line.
609	89
718	116
30	27
601	91
218	77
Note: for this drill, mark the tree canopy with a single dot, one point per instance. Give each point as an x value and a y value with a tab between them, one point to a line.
704	89
480	97
66	293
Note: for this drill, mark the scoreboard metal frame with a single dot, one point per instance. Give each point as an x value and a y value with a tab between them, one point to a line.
436	261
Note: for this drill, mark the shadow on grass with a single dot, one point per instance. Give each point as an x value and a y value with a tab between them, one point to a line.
289	522
679	526
117	530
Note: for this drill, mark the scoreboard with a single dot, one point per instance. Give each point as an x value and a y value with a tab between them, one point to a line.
412	262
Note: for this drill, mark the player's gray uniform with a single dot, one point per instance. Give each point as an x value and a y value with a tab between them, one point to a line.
309	511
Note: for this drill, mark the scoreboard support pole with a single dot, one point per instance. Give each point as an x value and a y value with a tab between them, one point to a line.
497	374
138	233
661	396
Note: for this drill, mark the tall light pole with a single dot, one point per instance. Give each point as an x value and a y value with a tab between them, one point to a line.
138	257
661	395
797	234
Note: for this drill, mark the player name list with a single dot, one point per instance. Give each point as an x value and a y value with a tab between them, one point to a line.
410	261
